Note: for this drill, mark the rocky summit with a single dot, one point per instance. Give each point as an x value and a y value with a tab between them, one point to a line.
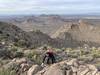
72	67
67	67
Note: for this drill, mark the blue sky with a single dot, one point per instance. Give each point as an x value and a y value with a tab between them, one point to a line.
10	7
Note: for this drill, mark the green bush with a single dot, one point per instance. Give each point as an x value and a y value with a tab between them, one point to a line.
18	54
30	55
5	54
85	58
14	49
7	72
35	56
97	64
95	53
20	43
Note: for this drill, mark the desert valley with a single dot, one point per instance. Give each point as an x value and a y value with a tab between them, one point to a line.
75	41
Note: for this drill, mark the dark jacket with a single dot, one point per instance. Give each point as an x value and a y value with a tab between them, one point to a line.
49	58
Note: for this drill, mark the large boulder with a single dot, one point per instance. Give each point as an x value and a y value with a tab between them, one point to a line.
54	70
83	70
20	60
20	65
57	69
33	70
72	67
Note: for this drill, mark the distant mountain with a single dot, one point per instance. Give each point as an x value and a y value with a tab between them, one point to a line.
78	34
57	28
46	23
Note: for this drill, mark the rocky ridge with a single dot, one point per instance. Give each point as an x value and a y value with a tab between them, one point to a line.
79	33
67	67
13	34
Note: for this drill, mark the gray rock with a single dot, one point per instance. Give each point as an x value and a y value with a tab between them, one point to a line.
33	70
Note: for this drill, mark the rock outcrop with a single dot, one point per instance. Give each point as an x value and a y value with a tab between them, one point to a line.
34	69
68	67
78	34
72	67
20	65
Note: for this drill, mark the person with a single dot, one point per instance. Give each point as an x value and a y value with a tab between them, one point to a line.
49	57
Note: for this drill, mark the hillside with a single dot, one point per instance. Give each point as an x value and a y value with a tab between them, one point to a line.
12	34
21	52
48	24
68	62
45	23
79	33
57	27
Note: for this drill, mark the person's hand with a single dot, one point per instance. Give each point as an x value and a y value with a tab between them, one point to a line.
42	64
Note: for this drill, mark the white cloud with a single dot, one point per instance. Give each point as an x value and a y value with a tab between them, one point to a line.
49	6
17	5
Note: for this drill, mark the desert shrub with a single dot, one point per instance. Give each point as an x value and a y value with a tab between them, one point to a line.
73	55
58	58
4	61
7	72
2	37
1	32
68	49
18	54
97	65
14	49
35	56
82	52
85	58
5	54
63	49
95	53
45	48
20	43
30	55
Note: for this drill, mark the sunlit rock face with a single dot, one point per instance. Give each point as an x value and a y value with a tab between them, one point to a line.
79	33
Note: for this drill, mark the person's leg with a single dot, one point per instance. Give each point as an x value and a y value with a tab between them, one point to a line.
53	60
44	58
48	61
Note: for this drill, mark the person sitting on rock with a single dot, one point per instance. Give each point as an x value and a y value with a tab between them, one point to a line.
49	57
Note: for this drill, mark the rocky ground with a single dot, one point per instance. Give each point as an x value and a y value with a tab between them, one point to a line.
67	67
20	61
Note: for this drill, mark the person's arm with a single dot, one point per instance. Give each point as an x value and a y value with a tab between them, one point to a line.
43	61
44	58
